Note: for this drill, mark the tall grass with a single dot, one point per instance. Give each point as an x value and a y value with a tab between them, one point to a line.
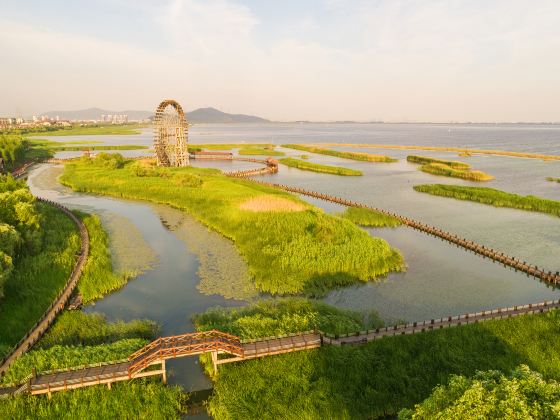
365	157
102	147
492	197
76	328
315	167
382	377
552	179
77	130
283	316
141	399
287	252
37	279
60	357
98	278
369	218
455	164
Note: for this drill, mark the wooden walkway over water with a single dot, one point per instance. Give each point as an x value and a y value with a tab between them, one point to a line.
500	257
150	360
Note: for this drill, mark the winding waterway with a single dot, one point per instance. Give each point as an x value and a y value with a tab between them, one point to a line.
440	280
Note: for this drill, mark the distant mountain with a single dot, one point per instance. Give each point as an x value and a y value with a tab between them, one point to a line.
201	115
213	115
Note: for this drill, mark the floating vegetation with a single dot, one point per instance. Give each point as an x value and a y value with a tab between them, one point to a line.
492	197
369	218
455	164
315	167
366	157
552	179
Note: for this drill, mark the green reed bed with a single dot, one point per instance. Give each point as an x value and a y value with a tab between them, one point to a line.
287	252
361	156
552	179
140	399
444	170
77	328
88	147
492	197
90	130
455	164
382	377
264	151
226	146
316	167
369	218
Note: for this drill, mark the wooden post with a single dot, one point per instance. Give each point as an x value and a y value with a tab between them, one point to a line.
215	361
164	374
109	385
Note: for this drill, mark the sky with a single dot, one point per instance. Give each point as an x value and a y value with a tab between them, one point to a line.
322	60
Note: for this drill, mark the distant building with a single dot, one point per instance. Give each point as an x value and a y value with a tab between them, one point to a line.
114	118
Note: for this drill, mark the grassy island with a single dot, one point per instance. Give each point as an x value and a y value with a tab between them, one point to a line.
264	151
316	167
451	168
369	218
290	246
552	179
492	197
371	380
365	157
455	164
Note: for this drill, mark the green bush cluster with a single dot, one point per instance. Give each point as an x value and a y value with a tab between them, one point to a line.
287	252
492	197
20	231
365	157
109	160
524	394
370	218
316	167
12	147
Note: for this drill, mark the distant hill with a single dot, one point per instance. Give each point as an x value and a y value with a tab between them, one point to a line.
201	115
213	115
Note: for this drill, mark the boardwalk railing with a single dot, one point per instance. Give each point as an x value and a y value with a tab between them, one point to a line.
533	270
48	317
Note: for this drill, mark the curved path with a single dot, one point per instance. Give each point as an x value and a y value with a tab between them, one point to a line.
62	298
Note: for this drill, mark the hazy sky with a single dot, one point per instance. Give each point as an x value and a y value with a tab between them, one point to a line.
430	60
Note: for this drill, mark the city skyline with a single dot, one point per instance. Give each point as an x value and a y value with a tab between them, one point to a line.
323	60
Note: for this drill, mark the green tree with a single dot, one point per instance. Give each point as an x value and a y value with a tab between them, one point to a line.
491	395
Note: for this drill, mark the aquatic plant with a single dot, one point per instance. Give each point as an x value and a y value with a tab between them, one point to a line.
287	252
315	167
369	218
444	170
366	157
455	164
265	151
492	197
552	179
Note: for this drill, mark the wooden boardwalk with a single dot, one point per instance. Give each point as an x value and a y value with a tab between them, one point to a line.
150	360
62	298
500	257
